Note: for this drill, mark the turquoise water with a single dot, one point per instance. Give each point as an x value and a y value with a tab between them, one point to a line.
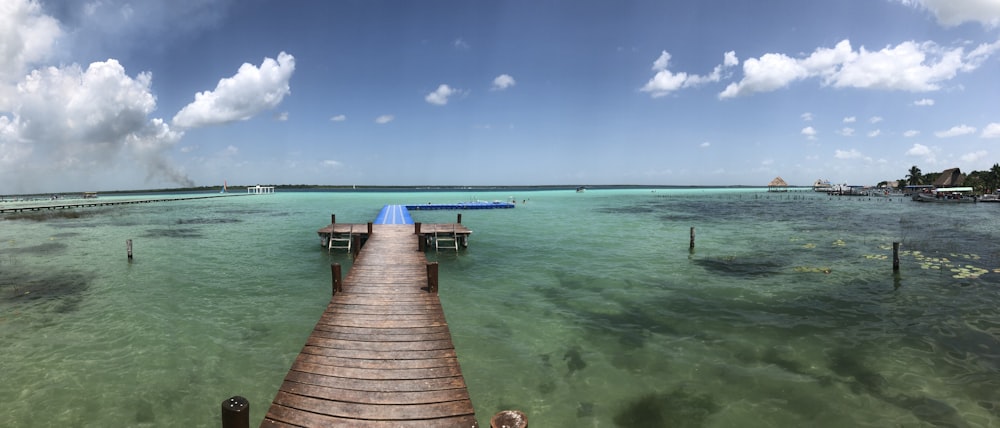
582	310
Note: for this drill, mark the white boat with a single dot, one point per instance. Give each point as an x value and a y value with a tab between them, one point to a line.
946	195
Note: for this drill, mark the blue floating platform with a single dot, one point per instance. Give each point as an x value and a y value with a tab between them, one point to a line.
476	205
393	214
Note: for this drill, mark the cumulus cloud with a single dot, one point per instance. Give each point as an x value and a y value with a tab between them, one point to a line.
338	118
705	144
27	37
921	151
875	119
847	132
250	91
807	117
502	82
850	119
974	156
848	154
911	133
908	66
956	131
950	13
665	81
384	119
991	131
924	102
329	163
809	132
875	133
71	123
441	95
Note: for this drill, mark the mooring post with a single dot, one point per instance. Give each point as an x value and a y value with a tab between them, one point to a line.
416	227
355	244
509	419
895	257
333	219
692	238
236	412
432	277
128	248
459	218
421	243
337	282
369	228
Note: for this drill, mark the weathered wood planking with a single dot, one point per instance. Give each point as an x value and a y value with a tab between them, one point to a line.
381	355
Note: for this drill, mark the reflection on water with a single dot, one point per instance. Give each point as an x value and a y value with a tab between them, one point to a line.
578	309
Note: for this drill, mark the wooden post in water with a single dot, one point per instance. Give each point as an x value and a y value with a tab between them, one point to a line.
895	257
128	248
509	419
692	238
356	244
236	412
432	277
369	229
333	219
338	284
416	227
459	218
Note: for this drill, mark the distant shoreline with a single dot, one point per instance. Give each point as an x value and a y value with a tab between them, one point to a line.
393	188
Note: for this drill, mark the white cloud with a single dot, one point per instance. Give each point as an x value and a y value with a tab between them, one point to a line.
850	119
991	131
27	37
502	82
384	119
807	117
329	163
847	154
924	102
911	133
875	119
921	151
460	43
809	132
874	133
441	94
705	144
338	118
908	66
974	156
847	132
956	131
954	12
250	91
70	123
281	117
665	81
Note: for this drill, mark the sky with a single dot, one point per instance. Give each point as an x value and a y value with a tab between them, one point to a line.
125	95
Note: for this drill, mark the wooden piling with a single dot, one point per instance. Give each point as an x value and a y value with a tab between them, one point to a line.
369	228
692	238
416	228
338	284
509	419
895	257
432	277
333	219
355	244
236	412
128	248
459	218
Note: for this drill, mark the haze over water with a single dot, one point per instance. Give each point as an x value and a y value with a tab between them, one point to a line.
578	309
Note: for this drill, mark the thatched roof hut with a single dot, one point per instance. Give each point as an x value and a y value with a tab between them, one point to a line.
950	178
777	185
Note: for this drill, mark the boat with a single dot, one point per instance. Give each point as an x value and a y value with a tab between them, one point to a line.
990	197
946	195
225	186
581	189
822	185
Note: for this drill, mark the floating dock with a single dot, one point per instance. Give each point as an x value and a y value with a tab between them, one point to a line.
381	355
476	205
394	214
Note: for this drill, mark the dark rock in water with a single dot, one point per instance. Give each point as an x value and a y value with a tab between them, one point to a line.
677	409
574	360
585	409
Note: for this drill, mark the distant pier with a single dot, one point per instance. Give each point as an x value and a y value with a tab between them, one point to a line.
60	204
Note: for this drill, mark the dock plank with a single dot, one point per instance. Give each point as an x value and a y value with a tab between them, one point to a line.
381	355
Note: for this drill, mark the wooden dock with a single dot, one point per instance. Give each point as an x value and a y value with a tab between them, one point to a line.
60	204
381	355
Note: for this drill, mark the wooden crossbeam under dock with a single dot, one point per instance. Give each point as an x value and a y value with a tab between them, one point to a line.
381	355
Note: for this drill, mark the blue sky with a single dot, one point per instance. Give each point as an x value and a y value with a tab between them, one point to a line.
112	94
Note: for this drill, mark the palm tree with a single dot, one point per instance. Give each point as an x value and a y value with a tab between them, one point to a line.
994	177
914	177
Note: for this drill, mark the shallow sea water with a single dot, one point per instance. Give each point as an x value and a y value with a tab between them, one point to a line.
582	310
